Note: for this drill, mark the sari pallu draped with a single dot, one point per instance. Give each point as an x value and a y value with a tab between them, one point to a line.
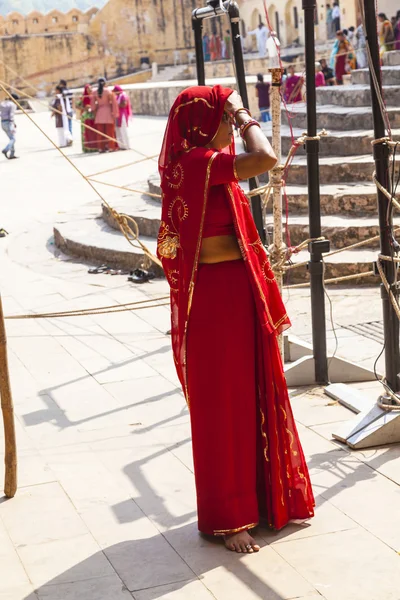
283	487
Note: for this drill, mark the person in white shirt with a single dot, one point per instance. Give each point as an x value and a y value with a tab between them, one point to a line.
336	16
7	113
273	49
261	34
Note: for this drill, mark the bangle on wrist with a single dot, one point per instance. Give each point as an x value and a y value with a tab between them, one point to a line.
246	125
242	109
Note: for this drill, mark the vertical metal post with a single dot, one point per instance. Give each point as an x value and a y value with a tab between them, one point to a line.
233	11
198	42
381	157
315	266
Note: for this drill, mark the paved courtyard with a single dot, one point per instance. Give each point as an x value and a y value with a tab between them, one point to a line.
106	508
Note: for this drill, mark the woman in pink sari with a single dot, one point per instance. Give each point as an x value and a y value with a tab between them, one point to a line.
292	91
125	113
226	313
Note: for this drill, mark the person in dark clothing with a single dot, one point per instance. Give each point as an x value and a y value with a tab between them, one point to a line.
263	91
328	72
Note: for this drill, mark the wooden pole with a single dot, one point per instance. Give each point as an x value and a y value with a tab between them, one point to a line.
10	457
276	175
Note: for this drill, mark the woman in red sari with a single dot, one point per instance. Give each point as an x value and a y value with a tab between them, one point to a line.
226	313
89	136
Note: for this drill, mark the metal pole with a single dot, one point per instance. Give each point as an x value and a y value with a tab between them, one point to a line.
315	266
198	42
234	15
381	157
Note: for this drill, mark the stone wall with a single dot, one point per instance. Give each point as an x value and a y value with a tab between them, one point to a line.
42	60
156	99
147	29
54	21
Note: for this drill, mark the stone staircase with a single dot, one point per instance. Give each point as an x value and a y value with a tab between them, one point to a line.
348	196
172	73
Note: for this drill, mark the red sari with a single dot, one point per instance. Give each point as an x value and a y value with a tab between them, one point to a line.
248	459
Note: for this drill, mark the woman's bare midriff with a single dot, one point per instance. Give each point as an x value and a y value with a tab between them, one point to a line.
220	248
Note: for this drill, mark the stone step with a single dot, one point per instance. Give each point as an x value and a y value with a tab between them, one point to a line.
93	241
356	95
340	118
337	143
392	58
349	215
349	198
348	262
341	231
390	75
333	169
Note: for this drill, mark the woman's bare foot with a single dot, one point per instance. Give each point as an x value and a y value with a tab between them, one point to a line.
241	542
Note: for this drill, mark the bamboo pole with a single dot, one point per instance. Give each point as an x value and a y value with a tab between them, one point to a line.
10	457
276	175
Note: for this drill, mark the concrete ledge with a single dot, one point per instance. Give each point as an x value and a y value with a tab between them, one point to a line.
355	95
390	74
97	243
338	117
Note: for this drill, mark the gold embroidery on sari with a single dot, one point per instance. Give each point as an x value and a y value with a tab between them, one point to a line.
191	102
168	242
294	452
277	453
176	180
303	477
237	530
234	170
172	277
268	271
182	209
264	435
256	246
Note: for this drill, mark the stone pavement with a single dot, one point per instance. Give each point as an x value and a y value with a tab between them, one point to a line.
106	503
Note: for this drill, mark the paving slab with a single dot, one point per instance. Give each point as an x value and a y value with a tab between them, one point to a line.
324	562
101	588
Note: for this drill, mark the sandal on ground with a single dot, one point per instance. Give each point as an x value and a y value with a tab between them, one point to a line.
101	269
140	276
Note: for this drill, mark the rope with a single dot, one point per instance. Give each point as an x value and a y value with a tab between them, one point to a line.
115	308
123	166
89	127
124	221
332	280
124	187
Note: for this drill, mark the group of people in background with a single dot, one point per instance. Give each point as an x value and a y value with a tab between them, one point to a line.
216	47
104	112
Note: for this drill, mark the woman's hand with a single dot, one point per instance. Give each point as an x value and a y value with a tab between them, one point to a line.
233	103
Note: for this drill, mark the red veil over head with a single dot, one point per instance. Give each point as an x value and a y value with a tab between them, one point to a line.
186	168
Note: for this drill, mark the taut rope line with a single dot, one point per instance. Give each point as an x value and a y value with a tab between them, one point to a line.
123	221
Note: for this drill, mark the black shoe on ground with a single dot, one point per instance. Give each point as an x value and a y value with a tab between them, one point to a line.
5	153
11	157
